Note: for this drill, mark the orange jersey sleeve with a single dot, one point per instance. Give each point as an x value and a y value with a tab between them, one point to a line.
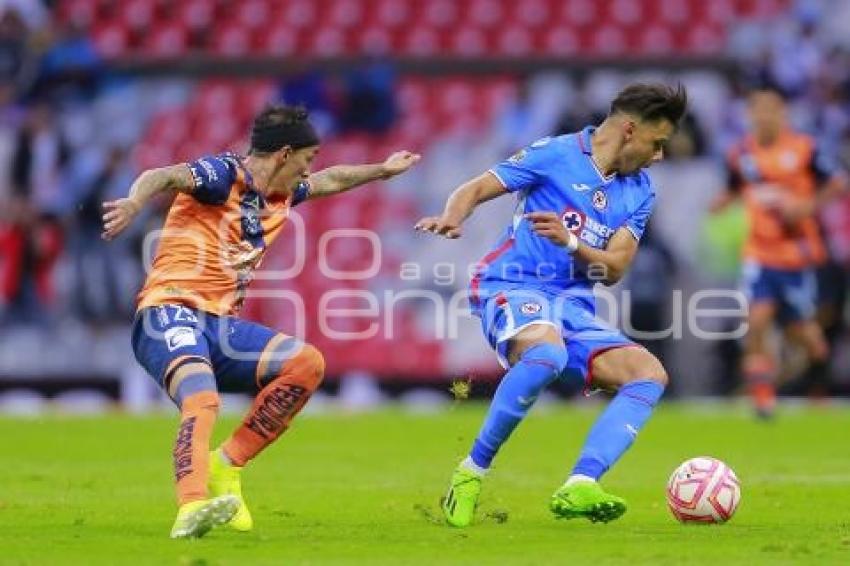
213	239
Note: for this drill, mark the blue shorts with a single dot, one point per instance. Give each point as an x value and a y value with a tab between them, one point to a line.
794	292
233	347
505	310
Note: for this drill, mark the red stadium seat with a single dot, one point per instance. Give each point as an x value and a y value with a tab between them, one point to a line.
231	40
83	13
515	41
375	40
278	40
345	14
704	39
254	95
469	41
580	13
562	40
392	13
626	13
166	41
486	14
440	14
300	14
608	40
252	14
532	14
136	15
196	14
329	42
423	42
656	39
214	97
111	40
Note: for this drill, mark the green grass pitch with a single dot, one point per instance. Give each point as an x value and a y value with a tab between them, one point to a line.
364	489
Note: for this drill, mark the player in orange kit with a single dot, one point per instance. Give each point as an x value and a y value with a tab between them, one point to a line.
228	209
784	180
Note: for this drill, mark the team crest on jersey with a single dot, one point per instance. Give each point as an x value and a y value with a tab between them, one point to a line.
251	225
530	308
573	220
600	200
788	159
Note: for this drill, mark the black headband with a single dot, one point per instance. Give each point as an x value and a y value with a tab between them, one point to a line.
272	137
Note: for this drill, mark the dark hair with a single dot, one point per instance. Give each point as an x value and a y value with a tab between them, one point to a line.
279	125
652	102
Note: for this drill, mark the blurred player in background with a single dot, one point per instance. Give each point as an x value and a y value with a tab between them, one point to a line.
784	180
227	210
583	203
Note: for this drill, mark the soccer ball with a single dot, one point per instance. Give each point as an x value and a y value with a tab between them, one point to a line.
703	490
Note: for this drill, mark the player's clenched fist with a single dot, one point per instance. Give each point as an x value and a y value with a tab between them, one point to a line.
440	226
119	213
549	225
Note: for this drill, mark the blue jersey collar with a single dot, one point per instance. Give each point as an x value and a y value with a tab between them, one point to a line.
586	148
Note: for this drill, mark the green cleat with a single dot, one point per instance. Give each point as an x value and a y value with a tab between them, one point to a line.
462	498
195	519
225	479
586	499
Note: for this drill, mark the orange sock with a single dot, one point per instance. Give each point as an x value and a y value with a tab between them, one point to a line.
760	373
276	405
191	450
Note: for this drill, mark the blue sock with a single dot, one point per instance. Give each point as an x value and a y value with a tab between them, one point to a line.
617	427
537	367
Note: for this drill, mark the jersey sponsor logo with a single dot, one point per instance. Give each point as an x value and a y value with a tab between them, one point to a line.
788	160
595	233
196	176
518	156
253	203
251	224
573	220
581	187
209	169
526	401
180	337
600	200
530	308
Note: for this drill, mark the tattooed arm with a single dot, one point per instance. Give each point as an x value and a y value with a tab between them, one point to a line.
341	178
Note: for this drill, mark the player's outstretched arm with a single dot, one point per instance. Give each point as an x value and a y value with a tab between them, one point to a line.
121	212
340	178
460	205
613	261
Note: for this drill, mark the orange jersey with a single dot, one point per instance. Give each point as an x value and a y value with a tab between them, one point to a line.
214	238
787	169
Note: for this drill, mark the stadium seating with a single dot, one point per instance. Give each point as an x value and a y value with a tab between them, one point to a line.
417	29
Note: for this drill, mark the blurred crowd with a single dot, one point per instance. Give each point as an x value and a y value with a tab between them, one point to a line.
67	142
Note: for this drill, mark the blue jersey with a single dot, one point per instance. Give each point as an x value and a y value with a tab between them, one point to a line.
557	174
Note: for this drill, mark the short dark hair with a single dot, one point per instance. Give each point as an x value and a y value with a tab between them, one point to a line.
278	125
652	102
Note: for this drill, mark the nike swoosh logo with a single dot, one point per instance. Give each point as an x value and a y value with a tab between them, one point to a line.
581	187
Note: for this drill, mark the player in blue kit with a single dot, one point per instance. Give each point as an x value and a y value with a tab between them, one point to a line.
583	201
